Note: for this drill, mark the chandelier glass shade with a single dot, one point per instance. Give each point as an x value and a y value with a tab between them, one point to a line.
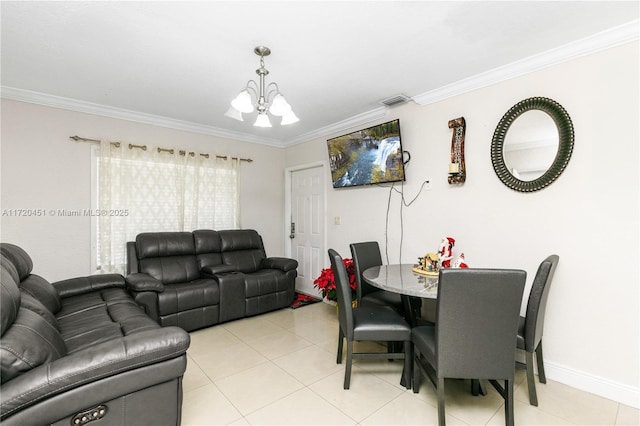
263	98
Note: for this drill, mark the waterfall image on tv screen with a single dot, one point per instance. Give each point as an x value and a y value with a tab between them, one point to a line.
368	156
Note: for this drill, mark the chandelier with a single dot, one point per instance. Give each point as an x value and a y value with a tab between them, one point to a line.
265	98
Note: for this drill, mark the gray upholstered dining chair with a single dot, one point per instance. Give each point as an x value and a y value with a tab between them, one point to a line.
531	326
367	323
462	347
365	255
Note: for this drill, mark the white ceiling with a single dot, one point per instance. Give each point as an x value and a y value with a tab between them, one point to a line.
180	63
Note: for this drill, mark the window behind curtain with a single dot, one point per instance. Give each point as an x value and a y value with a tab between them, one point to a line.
155	191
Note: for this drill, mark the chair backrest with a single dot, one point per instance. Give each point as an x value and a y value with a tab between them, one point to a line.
208	247
345	310
365	255
169	257
477	322
243	249
537	304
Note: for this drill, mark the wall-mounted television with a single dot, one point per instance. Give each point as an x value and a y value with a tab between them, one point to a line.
368	156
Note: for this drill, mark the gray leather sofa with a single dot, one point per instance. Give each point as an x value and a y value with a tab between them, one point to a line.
81	350
205	277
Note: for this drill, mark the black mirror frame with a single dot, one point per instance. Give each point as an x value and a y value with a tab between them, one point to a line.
565	143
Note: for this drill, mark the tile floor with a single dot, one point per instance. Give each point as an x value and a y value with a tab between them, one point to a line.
280	369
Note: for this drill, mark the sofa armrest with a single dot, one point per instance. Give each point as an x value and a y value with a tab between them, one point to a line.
217	269
283	263
144	282
103	360
81	285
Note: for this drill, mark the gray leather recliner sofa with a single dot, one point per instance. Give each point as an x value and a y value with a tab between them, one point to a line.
205	277
82	350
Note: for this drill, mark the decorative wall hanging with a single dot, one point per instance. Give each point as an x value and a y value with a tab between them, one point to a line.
457	169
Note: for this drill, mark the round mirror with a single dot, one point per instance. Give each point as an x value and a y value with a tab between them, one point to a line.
532	144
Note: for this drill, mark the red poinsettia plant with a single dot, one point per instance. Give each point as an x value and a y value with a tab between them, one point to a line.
327	284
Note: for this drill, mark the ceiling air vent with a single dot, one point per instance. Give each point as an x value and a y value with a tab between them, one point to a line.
395	100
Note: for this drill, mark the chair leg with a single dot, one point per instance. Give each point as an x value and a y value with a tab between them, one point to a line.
340	343
508	403
531	380
440	392
540	360
417	373
392	347
478	388
408	362
347	370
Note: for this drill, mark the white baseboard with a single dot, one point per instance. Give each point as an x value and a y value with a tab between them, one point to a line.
624	394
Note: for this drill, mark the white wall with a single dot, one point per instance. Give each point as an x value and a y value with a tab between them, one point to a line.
41	168
589	216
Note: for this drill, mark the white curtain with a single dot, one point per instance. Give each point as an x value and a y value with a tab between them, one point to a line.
154	190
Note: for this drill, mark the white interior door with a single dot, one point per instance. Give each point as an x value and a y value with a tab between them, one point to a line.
307	232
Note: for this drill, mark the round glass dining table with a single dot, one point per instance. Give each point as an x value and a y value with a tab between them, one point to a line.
401	279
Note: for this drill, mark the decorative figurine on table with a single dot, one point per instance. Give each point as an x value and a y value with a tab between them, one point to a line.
445	252
460	262
431	263
427	265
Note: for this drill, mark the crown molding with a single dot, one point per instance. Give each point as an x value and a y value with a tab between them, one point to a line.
613	37
123	114
622	34
356	120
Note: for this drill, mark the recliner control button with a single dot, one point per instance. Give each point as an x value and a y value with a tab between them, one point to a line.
89	415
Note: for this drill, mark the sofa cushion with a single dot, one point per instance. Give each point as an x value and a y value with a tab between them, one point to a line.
18	258
240	239
9	295
29	302
43	291
171	270
242	249
30	342
20	265
282	263
91	318
92	283
168	256
217	269
9	270
208	248
14	298
186	296
264	282
163	244
143	282
60	382
29	334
